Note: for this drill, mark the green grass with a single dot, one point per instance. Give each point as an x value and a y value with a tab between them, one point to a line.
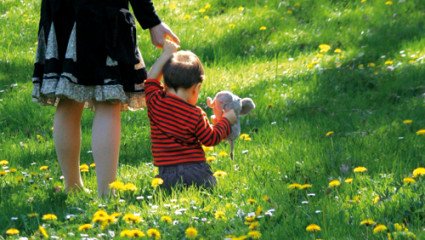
301	95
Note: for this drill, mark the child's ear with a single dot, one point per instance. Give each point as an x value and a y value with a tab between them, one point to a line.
196	88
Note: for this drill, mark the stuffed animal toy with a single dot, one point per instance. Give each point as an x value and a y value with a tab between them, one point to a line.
224	101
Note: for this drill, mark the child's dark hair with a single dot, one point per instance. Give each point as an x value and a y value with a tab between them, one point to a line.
183	69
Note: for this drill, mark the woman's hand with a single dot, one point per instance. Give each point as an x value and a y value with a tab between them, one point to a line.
160	32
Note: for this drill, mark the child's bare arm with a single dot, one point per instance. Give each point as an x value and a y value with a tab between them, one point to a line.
156	70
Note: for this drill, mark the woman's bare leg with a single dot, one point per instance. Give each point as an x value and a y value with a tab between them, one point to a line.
67	137
106	134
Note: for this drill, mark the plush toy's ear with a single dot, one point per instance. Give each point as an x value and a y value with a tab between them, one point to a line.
247	106
210	102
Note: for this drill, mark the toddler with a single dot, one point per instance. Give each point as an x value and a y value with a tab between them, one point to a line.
178	127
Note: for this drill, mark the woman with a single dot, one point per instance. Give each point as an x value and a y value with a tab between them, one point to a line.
87	54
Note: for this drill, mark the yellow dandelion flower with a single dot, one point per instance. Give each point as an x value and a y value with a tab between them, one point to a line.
206	17
411	61
207	6
324	47
244	136
49	216
93	165
367	222
305	186
363	1
207	149
361	66
191	233
43	232
313	228
254	234
3	173
329	133
334	183
153	233
266	198
360	169
371	64
126	233
250	219
84	168
409	180
99	219
420	171
223	154
116	185
156	182
294	186
254	225
130	187
338	50
420	132
398	226
138	233
31	215
251	201
309	65
407	121
220	173
388	3
100	213
219	215
356	199
262	28
12	231
348	180
166	219
19	179
376	199
109	219
258	211
4	162
379	228
85	227
13	170
232	25
289	12
241	8
211	158
115	214
202	10
388	62
187	16
131	218
44	167
297	4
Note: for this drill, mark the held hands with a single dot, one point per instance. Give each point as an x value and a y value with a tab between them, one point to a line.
169	47
160	32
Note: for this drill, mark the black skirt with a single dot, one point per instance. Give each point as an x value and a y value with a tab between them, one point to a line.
87	51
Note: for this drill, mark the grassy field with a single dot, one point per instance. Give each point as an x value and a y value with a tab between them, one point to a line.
337	138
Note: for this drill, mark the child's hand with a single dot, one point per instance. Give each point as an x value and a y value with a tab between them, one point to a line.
231	116
213	119
170	47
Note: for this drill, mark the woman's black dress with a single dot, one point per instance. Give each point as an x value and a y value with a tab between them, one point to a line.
87	51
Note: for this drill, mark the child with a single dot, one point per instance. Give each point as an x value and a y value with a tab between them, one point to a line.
178	127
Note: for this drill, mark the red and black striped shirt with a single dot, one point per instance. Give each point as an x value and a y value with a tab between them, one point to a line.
178	128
